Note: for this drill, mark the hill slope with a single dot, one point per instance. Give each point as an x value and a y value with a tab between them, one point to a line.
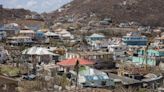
148	12
13	14
18	16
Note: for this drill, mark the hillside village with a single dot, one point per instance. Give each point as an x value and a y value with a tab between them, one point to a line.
80	52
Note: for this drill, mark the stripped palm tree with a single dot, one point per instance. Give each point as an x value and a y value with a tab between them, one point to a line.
77	72
150	40
145	56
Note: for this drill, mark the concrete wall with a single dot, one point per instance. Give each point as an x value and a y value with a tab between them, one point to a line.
141	60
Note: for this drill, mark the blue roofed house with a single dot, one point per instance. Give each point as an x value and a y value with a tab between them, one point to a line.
39	35
134	39
89	77
94	39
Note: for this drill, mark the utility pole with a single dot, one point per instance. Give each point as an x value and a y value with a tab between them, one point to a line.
1	15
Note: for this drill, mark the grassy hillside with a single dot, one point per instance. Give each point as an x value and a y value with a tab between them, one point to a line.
147	12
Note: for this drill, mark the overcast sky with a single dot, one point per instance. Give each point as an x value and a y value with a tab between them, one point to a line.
35	5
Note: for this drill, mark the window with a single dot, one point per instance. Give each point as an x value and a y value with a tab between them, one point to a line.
103	83
118	56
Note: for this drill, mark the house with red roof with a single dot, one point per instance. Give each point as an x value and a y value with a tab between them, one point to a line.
73	61
69	64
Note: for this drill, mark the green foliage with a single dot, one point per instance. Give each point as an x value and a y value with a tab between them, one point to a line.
10	71
64	81
82	68
142	90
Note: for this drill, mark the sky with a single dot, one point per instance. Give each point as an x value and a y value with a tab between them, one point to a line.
39	6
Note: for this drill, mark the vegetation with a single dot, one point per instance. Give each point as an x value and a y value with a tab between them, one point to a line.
64	81
10	71
61	81
32	85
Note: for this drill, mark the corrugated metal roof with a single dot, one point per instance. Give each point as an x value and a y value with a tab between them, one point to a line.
51	34
37	51
124	80
96	35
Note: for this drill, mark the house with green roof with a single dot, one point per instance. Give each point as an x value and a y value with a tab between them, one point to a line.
154	57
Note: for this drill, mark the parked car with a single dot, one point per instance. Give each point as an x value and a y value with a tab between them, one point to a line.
29	77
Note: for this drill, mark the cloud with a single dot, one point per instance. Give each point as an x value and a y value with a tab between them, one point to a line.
31	3
35	5
19	6
13	1
46	4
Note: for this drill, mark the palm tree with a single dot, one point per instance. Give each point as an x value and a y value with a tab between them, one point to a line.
77	72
